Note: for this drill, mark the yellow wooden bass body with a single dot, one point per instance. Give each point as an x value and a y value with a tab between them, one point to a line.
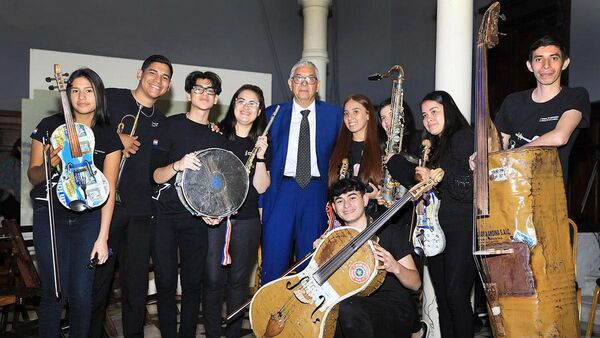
297	306
534	286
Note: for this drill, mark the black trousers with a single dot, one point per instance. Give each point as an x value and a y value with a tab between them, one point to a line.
375	316
452	274
129	238
231	281
186	235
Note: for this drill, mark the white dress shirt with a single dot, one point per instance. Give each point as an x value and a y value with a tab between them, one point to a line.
292	150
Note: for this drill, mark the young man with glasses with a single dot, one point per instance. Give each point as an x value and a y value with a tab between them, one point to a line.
178	232
302	138
131	226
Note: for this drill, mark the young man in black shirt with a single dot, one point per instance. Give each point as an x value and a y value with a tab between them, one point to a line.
131	227
549	114
390	311
179	234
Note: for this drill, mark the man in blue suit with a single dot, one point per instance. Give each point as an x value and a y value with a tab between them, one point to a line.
294	205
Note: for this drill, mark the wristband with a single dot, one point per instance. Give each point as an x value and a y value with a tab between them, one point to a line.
173	166
260	160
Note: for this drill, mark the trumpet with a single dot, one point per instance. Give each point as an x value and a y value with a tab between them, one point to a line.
120	129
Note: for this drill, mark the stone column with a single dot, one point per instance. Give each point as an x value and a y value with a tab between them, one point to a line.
315	38
454	51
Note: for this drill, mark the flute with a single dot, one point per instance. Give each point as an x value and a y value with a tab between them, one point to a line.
250	159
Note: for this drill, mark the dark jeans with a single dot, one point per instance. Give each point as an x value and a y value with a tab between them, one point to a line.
188	236
75	239
129	239
452	274
375	316
243	249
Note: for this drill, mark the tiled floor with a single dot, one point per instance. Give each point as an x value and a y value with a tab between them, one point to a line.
151	328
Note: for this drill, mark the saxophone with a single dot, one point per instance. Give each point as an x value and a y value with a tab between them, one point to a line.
392	189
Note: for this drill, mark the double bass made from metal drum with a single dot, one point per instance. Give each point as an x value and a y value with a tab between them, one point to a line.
522	243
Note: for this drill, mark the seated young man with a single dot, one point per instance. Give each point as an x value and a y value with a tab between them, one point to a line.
390	311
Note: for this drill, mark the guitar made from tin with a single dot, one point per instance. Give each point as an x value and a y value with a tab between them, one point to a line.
428	235
81	185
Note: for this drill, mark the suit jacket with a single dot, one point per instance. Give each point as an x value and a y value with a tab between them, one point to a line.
329	121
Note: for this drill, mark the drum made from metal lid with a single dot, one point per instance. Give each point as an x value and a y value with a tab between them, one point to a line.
218	188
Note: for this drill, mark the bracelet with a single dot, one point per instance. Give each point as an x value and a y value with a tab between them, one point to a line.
260	160
173	167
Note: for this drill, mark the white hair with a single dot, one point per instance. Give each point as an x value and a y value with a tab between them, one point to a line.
304	63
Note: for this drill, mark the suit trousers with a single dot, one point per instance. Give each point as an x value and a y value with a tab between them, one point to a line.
295	221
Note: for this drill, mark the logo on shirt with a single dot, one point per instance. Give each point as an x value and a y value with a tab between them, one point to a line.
155	142
34	132
548	119
154	124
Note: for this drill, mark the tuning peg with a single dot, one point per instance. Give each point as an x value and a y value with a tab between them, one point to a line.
48	79
66	74
502	16
503	34
51	87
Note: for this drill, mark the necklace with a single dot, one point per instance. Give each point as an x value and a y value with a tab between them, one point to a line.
142	110
141	106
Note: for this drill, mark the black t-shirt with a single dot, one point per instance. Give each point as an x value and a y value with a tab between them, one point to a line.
107	141
354	158
395	238
135	186
523	119
391	308
242	147
178	136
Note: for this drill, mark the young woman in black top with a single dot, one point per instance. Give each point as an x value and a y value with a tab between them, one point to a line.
243	124
358	141
80	236
453	271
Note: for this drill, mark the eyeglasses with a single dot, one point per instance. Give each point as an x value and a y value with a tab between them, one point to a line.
242	102
201	90
298	79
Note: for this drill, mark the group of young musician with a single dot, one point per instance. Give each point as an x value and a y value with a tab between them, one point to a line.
297	171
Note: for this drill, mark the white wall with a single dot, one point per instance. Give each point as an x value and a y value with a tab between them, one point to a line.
115	72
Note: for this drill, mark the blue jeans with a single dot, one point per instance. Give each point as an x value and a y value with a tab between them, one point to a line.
75	237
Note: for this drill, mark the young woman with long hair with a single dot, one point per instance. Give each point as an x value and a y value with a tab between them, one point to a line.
80	236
